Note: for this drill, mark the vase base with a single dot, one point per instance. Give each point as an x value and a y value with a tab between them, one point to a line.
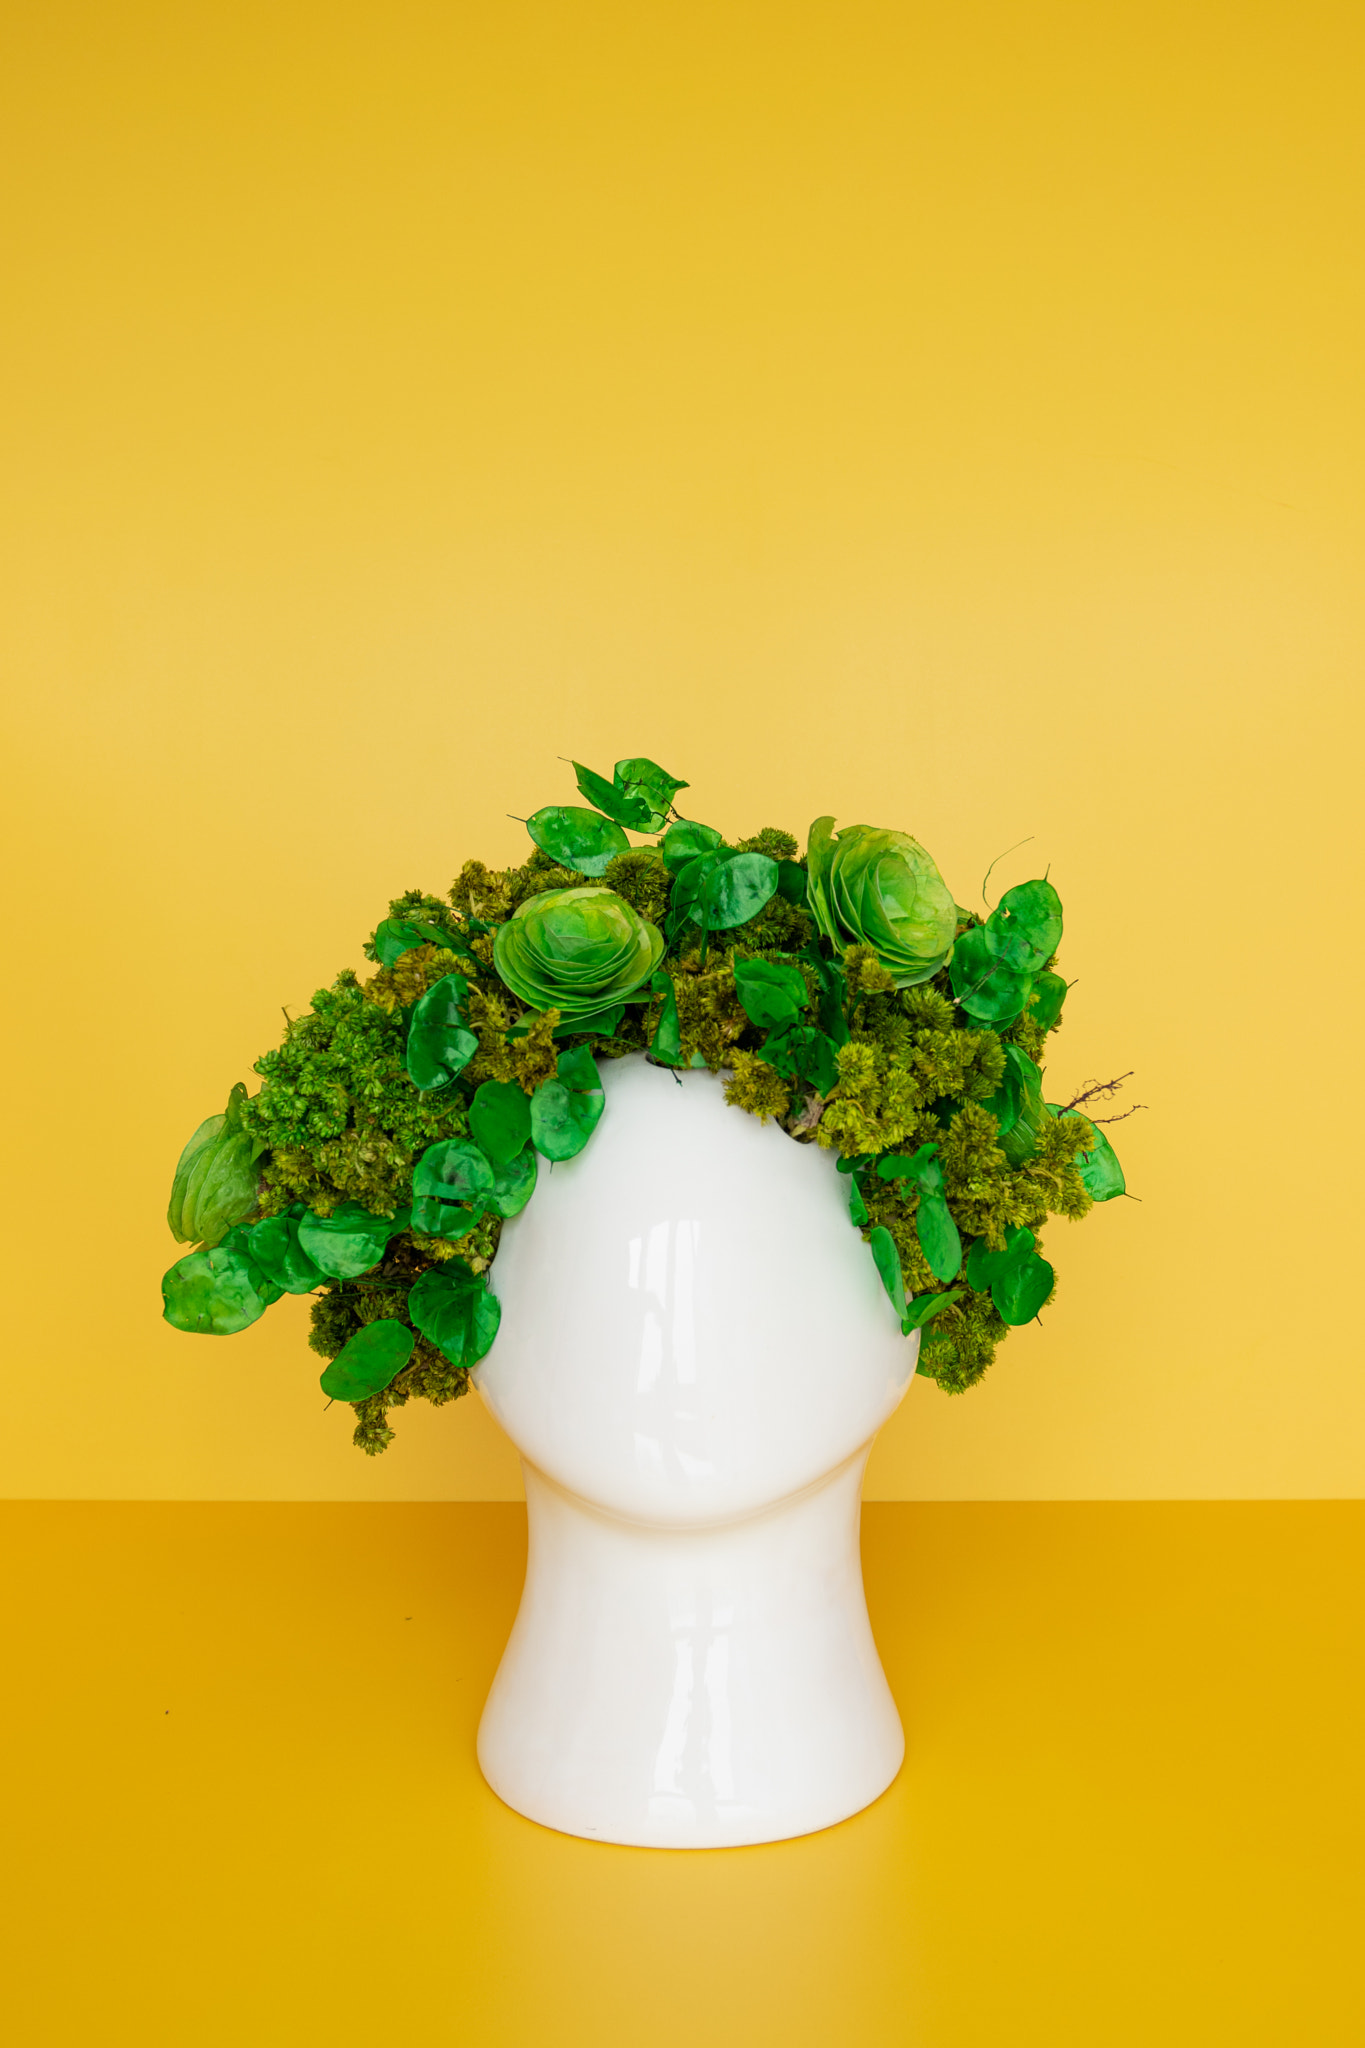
692	1688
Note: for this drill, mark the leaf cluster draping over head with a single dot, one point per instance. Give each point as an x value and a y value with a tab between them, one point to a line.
219	1292
869	886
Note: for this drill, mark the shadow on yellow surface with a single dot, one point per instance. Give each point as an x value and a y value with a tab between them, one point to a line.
243	1803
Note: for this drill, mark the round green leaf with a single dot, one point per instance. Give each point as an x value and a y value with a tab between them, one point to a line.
938	1236
1024	1083
803	1054
1020	1291
771	992
451	1220
215	1293
275	1246
640	780
989	992
625	808
579	839
500	1119
349	1241
561	1121
578	1069
684	841
514	1182
1025	928
921	1166
452	1186
439	1043
398	935
666	1044
888	1263
454	1310
455	1170
1100	1170
368	1361
738	889
925	1306
565	1111
1045	1004
983	1264
1099	1167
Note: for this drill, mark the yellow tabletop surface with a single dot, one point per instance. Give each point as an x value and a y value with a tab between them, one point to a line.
242	1802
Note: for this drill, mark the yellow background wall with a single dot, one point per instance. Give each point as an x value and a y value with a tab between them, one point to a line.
948	417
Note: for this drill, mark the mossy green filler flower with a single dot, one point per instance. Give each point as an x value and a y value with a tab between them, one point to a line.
399	1124
871	887
579	951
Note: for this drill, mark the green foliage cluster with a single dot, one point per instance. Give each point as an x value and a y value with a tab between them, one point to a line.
400	1122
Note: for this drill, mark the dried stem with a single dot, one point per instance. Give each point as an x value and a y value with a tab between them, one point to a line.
1095	1091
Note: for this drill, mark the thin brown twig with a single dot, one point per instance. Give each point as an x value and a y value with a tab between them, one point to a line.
1100	1090
1117	1119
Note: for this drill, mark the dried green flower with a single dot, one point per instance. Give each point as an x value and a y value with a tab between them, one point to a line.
579	951
879	888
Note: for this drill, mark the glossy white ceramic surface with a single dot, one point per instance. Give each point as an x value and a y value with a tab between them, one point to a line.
694	1357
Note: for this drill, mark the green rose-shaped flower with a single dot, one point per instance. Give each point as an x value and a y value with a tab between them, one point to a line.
216	1178
583	952
869	887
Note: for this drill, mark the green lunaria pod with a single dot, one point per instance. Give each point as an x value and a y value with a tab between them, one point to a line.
452	1185
216	1178
216	1293
578	951
873	887
997	965
577	838
440	1045
350	1240
684	841
1099	1168
274	1245
565	1111
454	1310
500	1119
640	793
1017	1277
366	1364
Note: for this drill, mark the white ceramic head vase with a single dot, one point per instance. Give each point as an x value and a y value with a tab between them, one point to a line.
694	1357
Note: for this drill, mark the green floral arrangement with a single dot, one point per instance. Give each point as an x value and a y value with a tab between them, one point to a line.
844	994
